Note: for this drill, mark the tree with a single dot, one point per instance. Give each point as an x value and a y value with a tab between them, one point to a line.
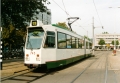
62	24
13	38
86	37
20	12
101	42
105	33
115	42
16	14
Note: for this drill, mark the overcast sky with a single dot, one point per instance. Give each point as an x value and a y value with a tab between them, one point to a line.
104	16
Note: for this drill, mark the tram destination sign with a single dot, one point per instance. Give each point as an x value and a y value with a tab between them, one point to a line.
34	23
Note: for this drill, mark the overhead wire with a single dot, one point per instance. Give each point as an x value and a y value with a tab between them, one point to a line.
69	15
61	7
65	9
97	12
67	12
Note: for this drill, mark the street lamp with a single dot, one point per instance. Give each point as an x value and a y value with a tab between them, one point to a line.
93	46
114	42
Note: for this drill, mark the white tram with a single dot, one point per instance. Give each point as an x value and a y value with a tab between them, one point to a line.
53	46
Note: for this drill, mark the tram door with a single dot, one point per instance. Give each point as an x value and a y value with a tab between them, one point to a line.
49	51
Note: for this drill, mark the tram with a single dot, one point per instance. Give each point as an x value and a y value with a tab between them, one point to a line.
53	46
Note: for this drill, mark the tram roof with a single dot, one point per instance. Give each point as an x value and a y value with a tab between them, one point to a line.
57	26
38	23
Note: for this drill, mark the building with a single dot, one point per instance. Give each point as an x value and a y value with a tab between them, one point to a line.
45	17
108	40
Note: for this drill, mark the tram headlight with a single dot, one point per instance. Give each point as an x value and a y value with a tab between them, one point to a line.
27	57
37	57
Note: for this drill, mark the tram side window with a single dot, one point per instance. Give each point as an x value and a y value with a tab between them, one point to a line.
76	42
68	41
61	40
83	44
50	40
86	45
79	43
90	45
73	42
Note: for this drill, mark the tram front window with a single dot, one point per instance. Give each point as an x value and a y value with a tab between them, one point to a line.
35	37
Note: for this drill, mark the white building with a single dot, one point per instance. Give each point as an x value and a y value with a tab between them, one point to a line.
108	40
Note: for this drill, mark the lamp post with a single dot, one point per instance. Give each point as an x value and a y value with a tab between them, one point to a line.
93	38
114	42
93	45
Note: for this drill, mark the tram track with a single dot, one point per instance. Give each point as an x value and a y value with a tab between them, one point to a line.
10	69
82	72
100	63
36	73
6	65
26	73
107	71
15	74
13	66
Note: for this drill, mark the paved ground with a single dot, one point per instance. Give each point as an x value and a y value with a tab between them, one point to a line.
94	74
106	69
12	60
10	67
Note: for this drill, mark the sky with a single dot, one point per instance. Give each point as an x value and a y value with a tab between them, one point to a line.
106	13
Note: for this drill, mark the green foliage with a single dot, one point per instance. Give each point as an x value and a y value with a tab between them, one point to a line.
19	12
62	24
16	14
87	38
12	37
116	42
105	33
101	42
35	33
